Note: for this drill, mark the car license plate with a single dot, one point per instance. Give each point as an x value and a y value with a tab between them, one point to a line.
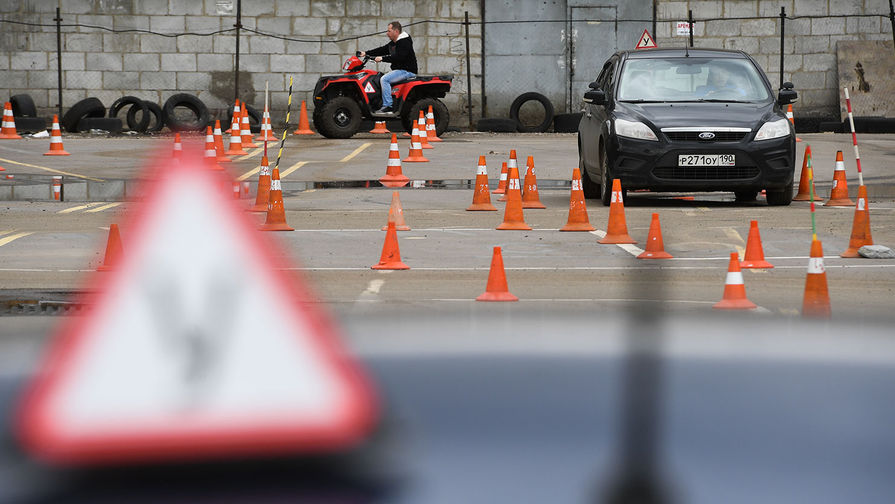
706	160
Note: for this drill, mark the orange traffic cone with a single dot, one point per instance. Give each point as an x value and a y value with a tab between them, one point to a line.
266	134
734	290
56	148
416	152
303	127
512	215
497	290
530	196
396	214
860	230
236	116
276	211
816	303
617	230
511	163
421	131
393	176
177	153
391	255
246	127
791	120
481	199
804	193
431	134
754	256
113	250
578	219
8	130
263	196
655	247
839	192
219	144
379	127
502	185
210	155
236	138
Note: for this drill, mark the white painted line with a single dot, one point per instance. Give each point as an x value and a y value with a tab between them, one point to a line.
627	247
357	151
51	170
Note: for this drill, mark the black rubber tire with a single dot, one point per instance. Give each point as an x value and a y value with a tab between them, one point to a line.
606	182
193	104
88	107
154	110
496	125
339	117
831	126
782	197
439	110
30	124
255	117
132	101
112	125
590	188
522	100
22	106
745	195
567	123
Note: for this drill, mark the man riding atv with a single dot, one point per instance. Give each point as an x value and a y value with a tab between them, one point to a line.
398	52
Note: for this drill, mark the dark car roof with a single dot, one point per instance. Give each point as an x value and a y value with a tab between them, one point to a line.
680	52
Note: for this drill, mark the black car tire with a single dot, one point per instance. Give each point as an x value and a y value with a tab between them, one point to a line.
154	110
605	179
589	187
255	118
193	104
112	125
88	107
781	197
439	109
567	123
132	101
522	100
30	124
339	117
22	105
496	125
745	195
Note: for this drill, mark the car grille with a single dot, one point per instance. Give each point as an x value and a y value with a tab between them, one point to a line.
693	136
706	172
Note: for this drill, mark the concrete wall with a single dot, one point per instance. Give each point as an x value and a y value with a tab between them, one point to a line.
809	44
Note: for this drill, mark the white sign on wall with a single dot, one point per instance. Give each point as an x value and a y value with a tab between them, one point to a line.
682	29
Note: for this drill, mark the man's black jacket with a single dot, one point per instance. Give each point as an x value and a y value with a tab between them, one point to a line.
399	53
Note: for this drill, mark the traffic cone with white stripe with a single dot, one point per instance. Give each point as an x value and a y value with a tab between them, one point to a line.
431	134
578	219
804	193
754	256
530	196
263	197
236	137
8	129
396	214
219	144
791	120
56	148
416	151
655	247
839	192
113	250
276	211
237	108
617	229
246	127
734	289
860	230
496	289
177	153
304	128
379	127
390	259
393	176
266	134
816	302
481	198
502	184
211	158
421	131
512	213
511	163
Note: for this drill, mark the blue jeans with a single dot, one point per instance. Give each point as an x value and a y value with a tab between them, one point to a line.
393	77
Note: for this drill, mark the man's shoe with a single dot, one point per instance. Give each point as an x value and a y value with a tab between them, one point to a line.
385	110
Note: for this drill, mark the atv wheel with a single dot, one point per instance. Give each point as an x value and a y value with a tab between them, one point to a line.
442	116
338	118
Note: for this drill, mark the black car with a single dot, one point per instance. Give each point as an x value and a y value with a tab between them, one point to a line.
686	120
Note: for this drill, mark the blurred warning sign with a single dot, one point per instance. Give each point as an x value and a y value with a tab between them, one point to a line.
197	345
682	29
646	41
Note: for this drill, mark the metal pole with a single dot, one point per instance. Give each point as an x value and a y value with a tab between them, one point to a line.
782	32
654	19
690	20
58	20
238	25
892	20
468	72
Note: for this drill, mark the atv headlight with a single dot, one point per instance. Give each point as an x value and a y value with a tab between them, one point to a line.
773	129
634	129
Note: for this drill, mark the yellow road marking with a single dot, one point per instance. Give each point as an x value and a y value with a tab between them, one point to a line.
292	168
357	151
251	154
51	170
4	241
733	235
101	208
75	209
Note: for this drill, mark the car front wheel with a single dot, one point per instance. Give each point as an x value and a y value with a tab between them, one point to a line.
782	197
339	117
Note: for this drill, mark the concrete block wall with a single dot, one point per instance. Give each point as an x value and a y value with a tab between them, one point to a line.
809	60
108	65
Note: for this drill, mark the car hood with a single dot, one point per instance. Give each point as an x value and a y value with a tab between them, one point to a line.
670	115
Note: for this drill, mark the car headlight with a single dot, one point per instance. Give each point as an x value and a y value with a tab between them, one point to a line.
634	129
773	129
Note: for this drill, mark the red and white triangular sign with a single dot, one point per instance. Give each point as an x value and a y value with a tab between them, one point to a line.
646	41
369	88
198	346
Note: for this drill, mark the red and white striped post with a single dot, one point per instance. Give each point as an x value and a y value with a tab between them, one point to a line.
57	187
854	137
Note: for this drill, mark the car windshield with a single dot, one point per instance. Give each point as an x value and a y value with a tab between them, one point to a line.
691	79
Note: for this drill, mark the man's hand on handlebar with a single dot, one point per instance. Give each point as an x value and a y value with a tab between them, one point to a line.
363	54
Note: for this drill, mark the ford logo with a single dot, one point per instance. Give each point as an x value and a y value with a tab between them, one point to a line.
706	135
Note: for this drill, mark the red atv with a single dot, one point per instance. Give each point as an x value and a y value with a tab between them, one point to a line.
341	101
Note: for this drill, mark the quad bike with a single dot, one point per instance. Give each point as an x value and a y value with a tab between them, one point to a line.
341	101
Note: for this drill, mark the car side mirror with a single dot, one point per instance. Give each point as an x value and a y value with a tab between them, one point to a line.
595	96
787	95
